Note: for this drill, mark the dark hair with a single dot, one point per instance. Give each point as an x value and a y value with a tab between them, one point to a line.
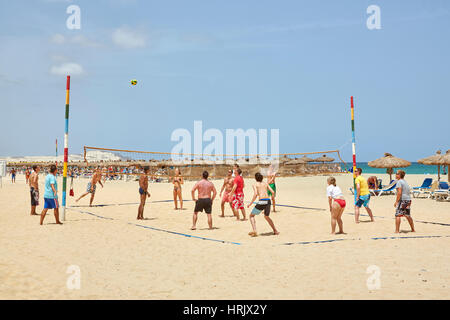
205	174
258	177
35	167
401	173
239	171
359	170
146	169
236	165
52	168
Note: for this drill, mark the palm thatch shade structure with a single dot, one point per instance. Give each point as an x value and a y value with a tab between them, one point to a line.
306	159
295	162
434	160
389	162
323	158
446	161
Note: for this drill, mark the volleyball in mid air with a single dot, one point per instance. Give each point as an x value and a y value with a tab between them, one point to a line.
133	82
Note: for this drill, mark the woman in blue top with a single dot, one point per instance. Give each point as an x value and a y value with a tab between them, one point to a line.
51	195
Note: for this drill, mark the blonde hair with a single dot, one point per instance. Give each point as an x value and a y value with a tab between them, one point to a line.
332	180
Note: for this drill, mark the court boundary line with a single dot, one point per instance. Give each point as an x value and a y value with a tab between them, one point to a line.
157	229
287	243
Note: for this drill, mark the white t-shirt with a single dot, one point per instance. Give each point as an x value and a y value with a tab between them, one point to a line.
334	192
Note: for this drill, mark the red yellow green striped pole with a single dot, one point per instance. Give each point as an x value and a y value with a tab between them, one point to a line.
66	152
353	144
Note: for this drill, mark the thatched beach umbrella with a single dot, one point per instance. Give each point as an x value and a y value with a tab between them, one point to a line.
324	158
446	161
389	162
306	159
295	162
434	160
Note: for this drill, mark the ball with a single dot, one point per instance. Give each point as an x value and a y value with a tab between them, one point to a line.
133	82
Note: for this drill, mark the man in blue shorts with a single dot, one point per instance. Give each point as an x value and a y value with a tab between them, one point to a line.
51	195
362	195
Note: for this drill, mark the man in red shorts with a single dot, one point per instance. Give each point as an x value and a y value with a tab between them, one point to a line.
237	194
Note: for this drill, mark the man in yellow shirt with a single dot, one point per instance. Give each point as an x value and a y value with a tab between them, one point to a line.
362	195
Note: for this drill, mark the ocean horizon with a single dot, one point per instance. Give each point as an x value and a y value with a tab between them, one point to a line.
414	168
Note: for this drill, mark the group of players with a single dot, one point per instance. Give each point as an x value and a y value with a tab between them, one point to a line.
232	192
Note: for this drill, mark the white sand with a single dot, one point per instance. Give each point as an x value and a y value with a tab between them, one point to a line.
119	260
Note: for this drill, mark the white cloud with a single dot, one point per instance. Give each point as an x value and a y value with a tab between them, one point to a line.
83	41
68	68
128	38
58	38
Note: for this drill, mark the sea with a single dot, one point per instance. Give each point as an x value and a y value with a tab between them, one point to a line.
414	168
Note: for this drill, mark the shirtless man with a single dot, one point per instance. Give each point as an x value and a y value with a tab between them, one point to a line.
91	187
204	202
143	191
271	175
260	190
227	186
34	189
13	175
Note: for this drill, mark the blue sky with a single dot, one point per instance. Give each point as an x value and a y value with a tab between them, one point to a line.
288	65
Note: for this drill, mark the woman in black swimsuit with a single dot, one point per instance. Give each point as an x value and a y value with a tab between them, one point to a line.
177	182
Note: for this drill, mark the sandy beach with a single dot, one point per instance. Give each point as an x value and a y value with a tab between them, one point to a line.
122	258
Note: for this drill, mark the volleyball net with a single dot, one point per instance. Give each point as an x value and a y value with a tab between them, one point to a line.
163	164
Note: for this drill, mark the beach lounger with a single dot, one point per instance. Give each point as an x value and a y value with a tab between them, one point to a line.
426	184
442	192
388	190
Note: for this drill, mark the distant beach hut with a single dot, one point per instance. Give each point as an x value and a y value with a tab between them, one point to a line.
434	160
323	158
390	163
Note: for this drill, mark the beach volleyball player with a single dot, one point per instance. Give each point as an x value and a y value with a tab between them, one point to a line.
260	191
51	195
226	188
271	176
143	192
362	195
206	194
337	204
92	186
237	194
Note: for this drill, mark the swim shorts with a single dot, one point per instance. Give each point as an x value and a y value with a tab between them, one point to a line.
403	208
141	191
262	205
34	193
88	189
226	197
237	201
203	204
274	188
50	203
363	200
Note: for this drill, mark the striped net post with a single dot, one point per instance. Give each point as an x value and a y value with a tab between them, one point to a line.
353	145
66	152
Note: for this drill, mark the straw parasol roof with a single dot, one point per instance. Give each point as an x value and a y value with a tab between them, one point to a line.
295	161
434	160
446	161
390	162
323	158
306	159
